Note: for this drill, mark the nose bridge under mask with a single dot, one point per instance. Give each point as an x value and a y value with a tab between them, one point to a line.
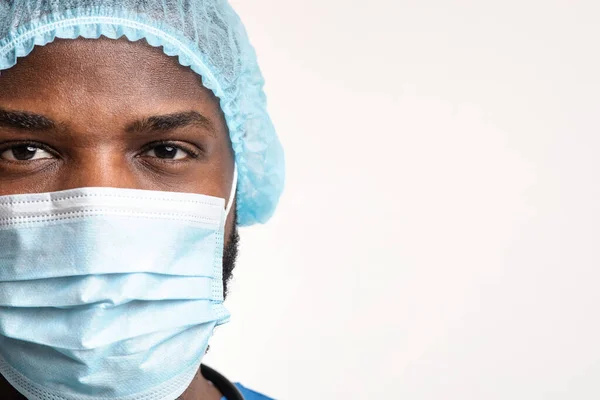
106	170
99	178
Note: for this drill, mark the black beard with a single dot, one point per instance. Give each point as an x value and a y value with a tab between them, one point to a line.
230	252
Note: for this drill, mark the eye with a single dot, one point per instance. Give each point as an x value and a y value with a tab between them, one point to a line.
24	152
167	152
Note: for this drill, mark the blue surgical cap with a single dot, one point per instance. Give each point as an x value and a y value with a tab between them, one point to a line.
205	35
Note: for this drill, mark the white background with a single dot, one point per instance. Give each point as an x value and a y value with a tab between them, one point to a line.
438	238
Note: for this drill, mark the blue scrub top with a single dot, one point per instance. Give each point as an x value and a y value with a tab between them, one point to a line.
249	394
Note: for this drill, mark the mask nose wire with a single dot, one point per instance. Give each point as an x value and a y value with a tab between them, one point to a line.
233	190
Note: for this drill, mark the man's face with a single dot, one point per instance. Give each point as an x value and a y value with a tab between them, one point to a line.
93	113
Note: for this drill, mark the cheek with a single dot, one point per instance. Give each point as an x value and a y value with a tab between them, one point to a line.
212	176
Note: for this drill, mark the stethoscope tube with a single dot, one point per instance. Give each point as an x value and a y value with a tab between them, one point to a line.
224	385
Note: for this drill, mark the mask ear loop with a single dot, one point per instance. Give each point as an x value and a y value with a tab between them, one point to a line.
233	190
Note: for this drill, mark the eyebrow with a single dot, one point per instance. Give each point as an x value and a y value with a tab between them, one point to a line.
25	121
158	123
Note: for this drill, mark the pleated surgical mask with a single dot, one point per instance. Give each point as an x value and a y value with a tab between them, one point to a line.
108	293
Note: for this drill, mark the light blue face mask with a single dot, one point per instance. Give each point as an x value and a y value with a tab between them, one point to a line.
108	293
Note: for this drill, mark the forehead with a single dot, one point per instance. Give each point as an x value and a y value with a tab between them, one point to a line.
110	73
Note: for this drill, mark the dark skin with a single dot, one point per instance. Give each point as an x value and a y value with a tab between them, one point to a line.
111	113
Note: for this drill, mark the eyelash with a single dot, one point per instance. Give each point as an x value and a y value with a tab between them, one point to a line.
42	146
189	150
